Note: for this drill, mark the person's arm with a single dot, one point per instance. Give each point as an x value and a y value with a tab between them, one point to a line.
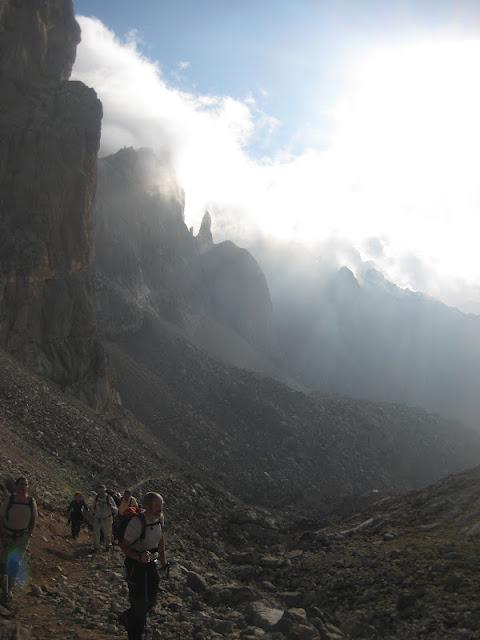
3	511
33	519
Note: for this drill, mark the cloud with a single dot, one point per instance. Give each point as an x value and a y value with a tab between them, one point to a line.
396	181
205	134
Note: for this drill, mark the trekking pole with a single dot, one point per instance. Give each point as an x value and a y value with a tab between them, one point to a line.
166	568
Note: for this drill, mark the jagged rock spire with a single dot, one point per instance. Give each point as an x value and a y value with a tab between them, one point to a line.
204	237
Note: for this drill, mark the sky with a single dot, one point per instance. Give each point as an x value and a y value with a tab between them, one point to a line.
329	123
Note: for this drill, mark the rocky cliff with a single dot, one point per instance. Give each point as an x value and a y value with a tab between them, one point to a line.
148	262
49	138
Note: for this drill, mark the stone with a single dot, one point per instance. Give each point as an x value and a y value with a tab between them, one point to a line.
223	626
271	562
230	595
264	616
297	614
196	582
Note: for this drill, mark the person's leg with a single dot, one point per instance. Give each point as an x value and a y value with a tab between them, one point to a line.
96	533
76	522
107	531
153	580
115	531
15	559
136	617
3	572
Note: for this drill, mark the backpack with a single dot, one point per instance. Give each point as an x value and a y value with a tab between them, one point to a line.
114	496
11	502
134	512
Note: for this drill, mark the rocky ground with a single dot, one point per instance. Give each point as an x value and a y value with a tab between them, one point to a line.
407	568
403	567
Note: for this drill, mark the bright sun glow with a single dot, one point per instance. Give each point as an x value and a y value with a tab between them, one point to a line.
408	138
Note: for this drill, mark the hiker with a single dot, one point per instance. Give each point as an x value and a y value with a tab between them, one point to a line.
116	497
76	510
127	501
18	516
104	510
143	544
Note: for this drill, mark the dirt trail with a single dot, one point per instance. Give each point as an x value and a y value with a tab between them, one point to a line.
54	555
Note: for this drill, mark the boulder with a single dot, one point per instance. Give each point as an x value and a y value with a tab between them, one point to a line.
263	615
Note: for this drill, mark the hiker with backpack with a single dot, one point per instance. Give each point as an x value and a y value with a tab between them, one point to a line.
126	501
76	511
104	510
18	516
143	543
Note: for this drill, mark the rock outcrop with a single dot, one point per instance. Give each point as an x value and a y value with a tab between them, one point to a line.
142	242
230	288
49	139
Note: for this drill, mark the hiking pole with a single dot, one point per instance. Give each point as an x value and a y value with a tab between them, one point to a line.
166	568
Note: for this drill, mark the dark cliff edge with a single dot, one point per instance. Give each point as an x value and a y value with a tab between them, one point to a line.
49	139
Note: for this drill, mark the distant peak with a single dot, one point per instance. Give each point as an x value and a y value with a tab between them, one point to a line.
346	276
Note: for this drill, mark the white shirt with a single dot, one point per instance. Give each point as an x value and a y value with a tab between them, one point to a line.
153	533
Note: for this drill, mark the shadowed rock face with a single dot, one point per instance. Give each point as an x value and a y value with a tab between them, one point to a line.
234	291
49	138
38	41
